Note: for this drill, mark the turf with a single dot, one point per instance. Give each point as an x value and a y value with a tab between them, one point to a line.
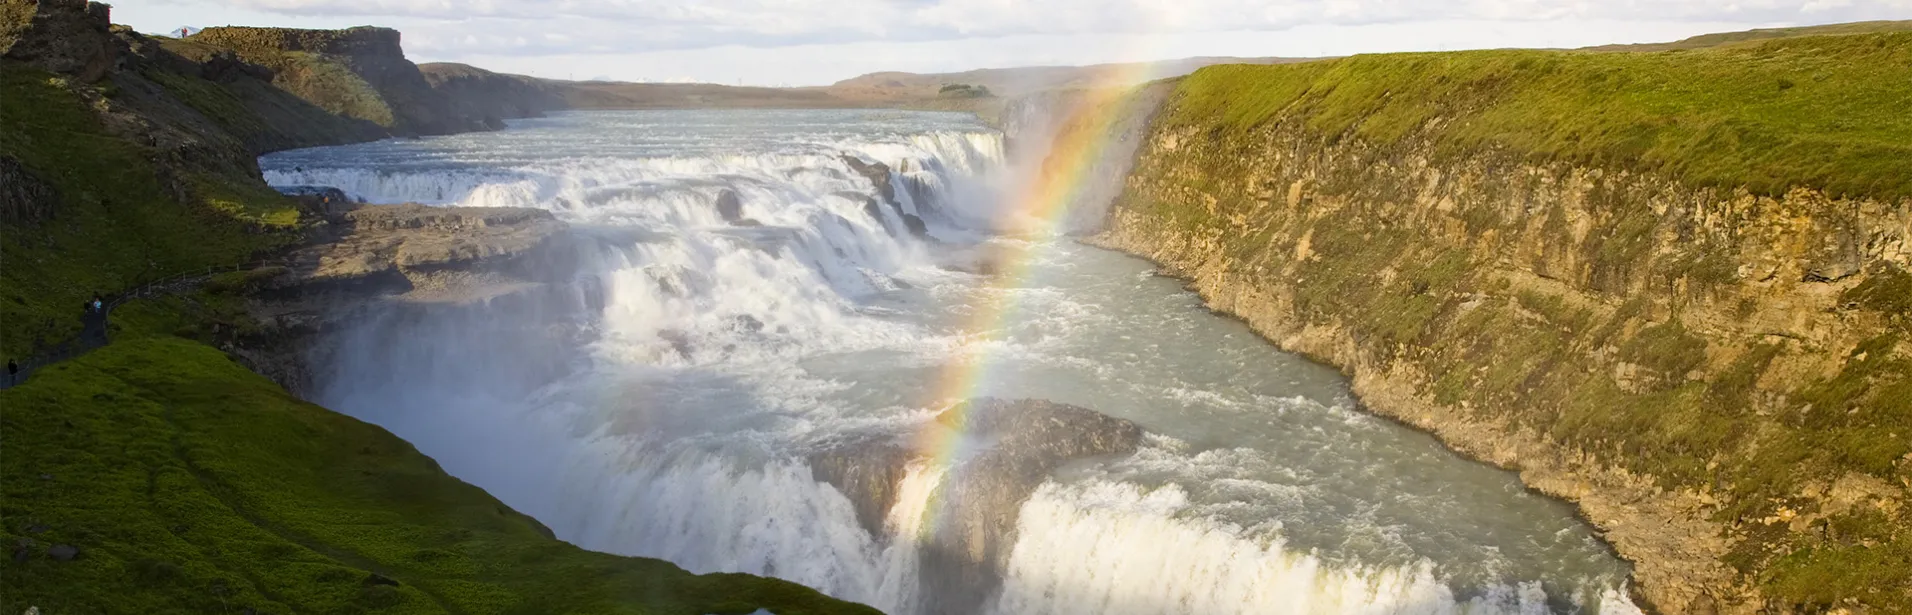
116	224
191	485
1825	112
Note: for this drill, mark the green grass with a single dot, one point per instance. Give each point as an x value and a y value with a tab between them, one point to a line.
1709	411
116	225
192	485
1823	112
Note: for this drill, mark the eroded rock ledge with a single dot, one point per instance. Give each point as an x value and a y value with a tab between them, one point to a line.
1678	361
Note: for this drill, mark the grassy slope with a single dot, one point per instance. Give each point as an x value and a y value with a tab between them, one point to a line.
1821	112
193	485
1726	38
314	77
115	226
1723	117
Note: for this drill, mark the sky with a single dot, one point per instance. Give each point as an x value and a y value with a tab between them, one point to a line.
816	42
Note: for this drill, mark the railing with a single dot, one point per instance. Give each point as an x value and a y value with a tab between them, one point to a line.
94	327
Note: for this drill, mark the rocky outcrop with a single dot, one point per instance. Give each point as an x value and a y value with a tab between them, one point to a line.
357	72
69	37
1714	376
429	253
1017	444
879	176
25	199
492	97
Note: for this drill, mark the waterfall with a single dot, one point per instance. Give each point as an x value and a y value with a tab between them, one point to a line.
752	296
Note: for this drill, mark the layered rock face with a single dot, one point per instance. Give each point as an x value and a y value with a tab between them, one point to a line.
358	72
1719	379
1018	444
70	37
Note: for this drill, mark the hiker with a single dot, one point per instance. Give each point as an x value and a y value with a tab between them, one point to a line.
98	304
13	372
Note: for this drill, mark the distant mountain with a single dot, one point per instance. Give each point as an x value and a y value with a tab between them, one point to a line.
1725	38
1013	82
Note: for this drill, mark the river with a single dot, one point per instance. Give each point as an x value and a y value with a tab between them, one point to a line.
673	396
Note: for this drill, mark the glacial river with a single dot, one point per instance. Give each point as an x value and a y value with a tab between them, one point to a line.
666	397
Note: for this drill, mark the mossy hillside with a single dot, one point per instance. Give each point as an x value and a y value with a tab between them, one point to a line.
1593	307
248	106
118	222
193	485
1821	112
1728	38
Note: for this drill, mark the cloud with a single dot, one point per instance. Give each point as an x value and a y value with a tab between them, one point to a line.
555	27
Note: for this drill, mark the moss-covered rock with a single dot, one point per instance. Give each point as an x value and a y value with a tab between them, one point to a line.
1660	284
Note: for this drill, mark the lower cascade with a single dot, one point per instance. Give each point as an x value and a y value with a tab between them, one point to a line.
795	343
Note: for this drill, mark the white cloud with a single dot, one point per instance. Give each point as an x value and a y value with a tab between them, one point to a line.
775	42
654	25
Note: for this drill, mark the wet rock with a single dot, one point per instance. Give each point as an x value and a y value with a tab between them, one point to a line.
878	174
983	495
63	553
866	468
679	341
915	224
746	323
730	206
980	497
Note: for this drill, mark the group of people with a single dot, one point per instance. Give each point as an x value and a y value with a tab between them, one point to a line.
93	325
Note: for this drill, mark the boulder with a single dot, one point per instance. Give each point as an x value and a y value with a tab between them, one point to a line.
63	553
730	207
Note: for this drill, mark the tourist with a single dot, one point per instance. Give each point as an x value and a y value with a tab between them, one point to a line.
13	372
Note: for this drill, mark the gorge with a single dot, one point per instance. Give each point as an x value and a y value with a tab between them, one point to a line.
899	357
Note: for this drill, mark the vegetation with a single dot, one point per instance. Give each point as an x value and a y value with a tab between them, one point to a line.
190	484
1821	112
116	224
156	475
1601	354
963	90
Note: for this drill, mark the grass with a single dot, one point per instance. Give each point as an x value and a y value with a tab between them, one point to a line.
1822	112
117	224
193	485
1734	416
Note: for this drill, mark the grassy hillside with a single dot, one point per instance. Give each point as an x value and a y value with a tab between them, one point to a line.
1672	332
1824	112
191	485
118	220
1727	38
315	77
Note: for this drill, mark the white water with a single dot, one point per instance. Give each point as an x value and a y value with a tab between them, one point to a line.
661	401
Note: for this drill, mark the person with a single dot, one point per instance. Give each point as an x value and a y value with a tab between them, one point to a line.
98	304
13	372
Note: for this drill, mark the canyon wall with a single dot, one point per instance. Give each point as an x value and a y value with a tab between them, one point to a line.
1717	371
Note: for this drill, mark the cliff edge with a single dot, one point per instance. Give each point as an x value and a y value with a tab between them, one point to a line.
1674	288
155	473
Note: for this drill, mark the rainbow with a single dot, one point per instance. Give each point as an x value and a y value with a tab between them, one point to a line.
1038	210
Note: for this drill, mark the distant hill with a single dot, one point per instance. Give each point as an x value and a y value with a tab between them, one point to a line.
1725	38
1012	82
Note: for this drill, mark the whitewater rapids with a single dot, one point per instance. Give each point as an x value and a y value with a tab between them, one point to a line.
665	399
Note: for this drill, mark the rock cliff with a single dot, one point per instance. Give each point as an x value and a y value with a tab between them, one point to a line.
1710	354
357	72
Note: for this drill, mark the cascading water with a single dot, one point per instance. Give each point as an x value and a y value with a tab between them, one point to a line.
751	299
